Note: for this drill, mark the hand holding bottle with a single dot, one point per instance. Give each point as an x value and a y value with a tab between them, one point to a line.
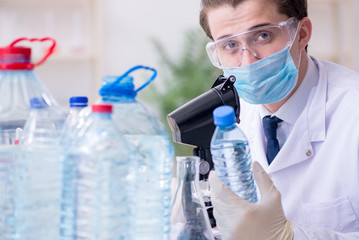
239	219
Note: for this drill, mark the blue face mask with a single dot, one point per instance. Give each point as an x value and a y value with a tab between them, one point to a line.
266	81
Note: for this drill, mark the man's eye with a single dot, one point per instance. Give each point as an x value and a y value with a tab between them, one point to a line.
230	45
263	37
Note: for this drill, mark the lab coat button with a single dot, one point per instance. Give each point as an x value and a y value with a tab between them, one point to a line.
308	153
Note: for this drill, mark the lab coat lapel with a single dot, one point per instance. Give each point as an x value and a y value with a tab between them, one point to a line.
296	149
309	128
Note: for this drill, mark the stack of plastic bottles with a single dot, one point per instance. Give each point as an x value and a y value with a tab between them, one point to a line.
104	174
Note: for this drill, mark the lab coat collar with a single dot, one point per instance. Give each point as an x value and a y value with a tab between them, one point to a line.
293	107
316	111
310	127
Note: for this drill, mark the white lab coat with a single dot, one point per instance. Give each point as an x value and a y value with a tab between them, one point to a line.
317	169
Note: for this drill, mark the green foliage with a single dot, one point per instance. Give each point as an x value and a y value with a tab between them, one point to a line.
185	77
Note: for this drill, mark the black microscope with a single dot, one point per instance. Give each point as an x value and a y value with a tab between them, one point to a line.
192	124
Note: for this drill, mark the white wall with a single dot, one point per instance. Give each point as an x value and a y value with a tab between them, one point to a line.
129	26
335	31
355	34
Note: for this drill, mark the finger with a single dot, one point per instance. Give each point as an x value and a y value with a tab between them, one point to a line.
221	193
263	180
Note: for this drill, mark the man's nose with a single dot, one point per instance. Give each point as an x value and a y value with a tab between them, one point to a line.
248	56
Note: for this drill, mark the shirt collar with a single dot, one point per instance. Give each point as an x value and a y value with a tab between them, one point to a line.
292	108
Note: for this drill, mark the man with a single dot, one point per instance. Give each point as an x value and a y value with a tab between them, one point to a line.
301	120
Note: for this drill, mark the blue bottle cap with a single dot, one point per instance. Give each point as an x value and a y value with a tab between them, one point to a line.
37	103
78	101
224	116
118	87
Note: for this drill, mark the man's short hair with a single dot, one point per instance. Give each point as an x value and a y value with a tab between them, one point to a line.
291	8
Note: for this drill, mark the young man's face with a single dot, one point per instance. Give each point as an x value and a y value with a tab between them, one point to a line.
226	21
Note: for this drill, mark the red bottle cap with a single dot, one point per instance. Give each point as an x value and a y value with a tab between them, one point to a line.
102	108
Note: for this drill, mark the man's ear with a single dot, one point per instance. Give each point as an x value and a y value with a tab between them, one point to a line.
305	32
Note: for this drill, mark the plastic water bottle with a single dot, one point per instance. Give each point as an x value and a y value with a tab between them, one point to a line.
231	155
95	184
40	176
18	84
153	155
75	119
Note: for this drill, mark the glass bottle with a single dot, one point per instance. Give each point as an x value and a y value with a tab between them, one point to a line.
189	218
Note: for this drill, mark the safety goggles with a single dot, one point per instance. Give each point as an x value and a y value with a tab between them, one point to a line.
261	42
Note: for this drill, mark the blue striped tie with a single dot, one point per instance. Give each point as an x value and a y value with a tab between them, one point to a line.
270	130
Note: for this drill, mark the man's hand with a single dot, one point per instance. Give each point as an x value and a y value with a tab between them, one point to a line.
238	219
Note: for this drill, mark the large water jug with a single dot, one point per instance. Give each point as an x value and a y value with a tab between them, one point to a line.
18	84
153	154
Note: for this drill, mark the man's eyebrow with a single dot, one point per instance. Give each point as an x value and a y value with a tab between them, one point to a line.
259	25
251	28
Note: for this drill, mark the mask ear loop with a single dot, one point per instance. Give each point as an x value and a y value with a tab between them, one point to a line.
291	45
295	34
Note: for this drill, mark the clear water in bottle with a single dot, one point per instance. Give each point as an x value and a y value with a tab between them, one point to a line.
39	178
96	182
8	188
152	153
231	155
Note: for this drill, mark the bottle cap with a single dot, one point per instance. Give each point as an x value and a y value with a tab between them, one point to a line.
15	55
120	86
224	116
78	101
102	108
37	103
